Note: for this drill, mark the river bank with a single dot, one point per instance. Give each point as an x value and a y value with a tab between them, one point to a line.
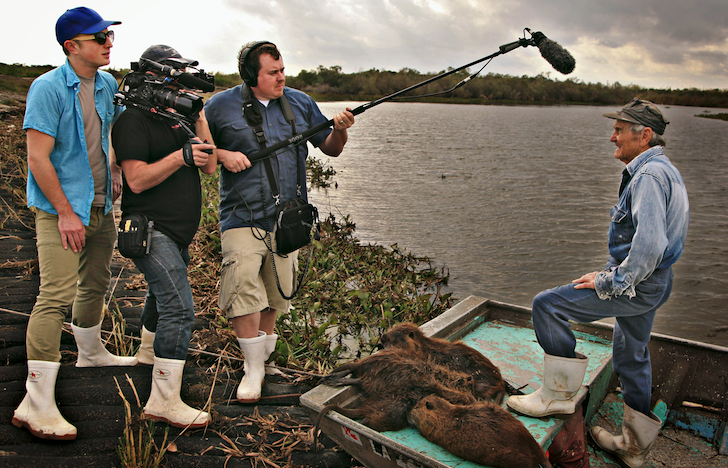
352	291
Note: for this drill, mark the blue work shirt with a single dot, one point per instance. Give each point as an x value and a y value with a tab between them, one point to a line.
53	108
649	225
243	194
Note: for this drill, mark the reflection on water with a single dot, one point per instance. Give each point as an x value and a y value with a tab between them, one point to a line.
515	200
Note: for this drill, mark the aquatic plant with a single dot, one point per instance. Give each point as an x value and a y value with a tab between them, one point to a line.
350	293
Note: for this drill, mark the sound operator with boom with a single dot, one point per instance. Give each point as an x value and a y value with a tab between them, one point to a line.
258	272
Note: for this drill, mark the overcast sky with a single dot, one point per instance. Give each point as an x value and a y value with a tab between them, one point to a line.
651	43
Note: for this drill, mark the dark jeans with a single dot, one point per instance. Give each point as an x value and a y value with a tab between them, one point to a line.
168	309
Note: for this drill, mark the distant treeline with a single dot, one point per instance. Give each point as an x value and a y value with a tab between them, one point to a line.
330	84
24	71
492	88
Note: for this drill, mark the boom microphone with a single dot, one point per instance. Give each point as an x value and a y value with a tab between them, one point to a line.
557	56
554	54
191	81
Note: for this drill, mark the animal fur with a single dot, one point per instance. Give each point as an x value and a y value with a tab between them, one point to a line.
408	338
484	433
392	384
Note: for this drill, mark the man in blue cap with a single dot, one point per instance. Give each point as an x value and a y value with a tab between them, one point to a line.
72	183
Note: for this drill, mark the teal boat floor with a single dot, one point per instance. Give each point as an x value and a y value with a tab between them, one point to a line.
515	351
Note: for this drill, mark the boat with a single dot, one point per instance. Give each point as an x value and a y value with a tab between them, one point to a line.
690	393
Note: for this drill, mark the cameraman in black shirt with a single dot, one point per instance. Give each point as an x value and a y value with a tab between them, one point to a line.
160	165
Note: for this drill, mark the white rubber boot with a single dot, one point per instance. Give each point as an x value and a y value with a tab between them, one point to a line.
93	353
255	353
38	411
639	432
145	354
270	347
562	379
165	404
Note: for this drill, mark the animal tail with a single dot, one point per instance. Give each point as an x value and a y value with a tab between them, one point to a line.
338	375
348	412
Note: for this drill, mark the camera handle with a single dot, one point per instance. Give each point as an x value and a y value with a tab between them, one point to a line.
187	153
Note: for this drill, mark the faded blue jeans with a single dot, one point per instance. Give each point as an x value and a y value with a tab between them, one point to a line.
168	308
553	308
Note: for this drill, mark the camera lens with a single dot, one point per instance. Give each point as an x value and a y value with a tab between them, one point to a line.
184	103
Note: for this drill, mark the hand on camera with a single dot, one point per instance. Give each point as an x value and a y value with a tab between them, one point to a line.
196	153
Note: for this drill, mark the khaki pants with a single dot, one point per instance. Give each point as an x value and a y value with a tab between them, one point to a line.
66	278
248	282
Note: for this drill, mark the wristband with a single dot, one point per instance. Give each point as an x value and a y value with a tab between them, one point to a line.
187	155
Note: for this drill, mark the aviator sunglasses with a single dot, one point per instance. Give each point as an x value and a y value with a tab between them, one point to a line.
99	37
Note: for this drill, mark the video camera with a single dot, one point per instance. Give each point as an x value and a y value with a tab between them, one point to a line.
165	88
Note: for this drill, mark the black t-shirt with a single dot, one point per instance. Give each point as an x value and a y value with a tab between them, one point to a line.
174	204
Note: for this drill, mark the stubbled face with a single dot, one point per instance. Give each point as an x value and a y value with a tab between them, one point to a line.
629	145
271	78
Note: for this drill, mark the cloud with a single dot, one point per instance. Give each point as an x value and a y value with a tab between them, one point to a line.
657	43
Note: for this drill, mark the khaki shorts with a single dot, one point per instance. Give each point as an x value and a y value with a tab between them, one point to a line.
247	282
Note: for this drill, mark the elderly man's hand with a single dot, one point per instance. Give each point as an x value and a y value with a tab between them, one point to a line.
586	281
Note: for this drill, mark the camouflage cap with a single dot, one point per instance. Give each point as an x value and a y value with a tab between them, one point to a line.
641	112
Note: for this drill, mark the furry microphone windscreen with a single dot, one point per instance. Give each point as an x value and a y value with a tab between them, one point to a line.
557	56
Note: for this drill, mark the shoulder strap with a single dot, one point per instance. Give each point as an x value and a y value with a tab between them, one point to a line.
252	115
288	111
291	119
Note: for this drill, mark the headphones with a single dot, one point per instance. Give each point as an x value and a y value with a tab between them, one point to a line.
248	73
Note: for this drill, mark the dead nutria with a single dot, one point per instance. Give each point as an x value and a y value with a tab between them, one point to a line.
392	384
458	356
484	433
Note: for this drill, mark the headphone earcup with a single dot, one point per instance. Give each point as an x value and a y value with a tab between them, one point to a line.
248	73
248	76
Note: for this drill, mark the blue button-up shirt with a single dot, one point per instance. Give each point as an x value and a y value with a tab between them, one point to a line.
53	108
649	225
245	197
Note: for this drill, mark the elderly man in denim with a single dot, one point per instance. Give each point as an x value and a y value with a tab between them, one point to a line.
646	237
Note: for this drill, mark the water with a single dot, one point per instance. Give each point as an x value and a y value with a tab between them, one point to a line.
515	200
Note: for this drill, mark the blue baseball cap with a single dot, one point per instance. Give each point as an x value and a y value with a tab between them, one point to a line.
80	20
